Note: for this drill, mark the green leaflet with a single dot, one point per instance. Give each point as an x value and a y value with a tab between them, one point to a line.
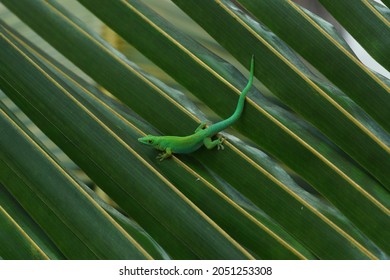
28	226
23	169
15	243
366	24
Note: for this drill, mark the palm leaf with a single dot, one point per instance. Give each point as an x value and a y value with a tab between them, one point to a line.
201	206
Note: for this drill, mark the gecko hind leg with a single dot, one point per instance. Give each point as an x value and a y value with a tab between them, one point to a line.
201	126
210	144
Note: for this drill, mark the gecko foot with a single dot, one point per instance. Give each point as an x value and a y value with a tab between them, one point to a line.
219	145
161	157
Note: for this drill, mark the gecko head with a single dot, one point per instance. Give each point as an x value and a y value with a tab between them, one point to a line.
149	140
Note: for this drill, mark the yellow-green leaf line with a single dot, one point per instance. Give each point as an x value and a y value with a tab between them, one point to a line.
376	12
34	246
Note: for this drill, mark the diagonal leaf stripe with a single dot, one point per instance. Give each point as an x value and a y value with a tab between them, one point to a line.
276	204
28	225
14	239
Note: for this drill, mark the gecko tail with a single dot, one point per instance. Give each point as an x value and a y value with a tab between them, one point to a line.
241	100
215	128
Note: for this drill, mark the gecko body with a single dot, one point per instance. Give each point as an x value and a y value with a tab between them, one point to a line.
202	135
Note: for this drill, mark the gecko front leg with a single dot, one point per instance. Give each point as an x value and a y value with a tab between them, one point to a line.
166	154
209	143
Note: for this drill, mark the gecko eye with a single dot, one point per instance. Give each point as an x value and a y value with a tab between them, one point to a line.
150	141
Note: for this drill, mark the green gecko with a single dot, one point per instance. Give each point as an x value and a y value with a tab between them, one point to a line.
203	134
